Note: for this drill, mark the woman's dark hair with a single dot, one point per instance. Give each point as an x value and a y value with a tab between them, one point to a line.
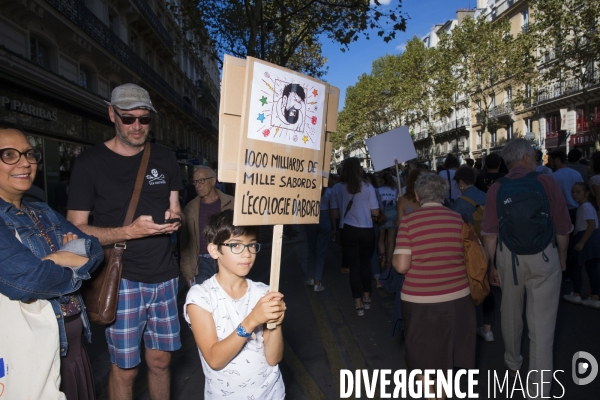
410	183
595	159
465	174
220	228
388	180
590	197
352	175
451	161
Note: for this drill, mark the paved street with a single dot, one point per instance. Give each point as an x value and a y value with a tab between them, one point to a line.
323	335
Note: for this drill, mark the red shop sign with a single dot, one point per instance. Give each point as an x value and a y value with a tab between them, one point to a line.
585	139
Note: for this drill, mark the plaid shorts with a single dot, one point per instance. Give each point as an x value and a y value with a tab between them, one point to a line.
148	310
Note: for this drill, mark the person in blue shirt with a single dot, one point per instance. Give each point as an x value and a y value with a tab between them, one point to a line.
466	205
43	259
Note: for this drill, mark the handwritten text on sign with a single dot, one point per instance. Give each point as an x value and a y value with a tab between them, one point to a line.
266	171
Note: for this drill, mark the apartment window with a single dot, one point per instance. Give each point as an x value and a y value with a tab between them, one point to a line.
525	19
39	52
509	131
492	101
133	42
582	124
113	22
527	122
493	137
85	77
552	124
508	95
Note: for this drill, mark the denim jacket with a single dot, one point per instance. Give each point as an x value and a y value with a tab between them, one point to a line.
24	276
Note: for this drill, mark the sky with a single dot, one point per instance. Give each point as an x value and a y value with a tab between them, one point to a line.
345	68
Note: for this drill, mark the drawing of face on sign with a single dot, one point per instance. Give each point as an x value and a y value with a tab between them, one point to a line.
286	108
291	106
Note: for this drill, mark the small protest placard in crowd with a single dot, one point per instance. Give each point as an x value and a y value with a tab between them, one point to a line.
387	147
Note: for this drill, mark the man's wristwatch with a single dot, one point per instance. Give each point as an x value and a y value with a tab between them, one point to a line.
241	332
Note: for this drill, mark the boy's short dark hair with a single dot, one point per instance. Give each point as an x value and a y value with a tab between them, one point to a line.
560	154
574	155
465	174
220	228
470	162
493	161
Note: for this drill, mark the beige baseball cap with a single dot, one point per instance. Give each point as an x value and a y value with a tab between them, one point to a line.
130	97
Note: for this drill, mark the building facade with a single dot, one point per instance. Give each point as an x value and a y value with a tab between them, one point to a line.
60	59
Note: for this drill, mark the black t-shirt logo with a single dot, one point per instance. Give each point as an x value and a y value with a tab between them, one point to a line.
156	179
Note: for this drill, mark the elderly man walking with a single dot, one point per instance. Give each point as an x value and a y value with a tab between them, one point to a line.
196	264
530	254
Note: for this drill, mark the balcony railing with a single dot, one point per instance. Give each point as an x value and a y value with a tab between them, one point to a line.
205	92
501	109
155	23
87	21
568	86
450	125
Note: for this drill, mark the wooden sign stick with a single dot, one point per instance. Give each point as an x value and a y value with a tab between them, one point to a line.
275	262
398	176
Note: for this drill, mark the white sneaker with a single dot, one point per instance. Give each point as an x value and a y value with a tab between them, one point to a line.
572	299
310	282
319	288
591	303
487	336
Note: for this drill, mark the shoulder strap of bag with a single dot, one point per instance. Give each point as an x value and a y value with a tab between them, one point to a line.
450	183
469	200
349	206
137	189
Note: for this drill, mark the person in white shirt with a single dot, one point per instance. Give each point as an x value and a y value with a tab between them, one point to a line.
451	164
566	178
228	313
585	247
354	201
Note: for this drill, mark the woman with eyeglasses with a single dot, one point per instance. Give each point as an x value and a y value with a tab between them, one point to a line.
43	259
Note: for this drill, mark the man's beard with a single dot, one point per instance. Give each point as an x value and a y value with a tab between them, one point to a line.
127	141
291	115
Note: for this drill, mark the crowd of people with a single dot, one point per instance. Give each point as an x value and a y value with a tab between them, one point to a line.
538	225
403	231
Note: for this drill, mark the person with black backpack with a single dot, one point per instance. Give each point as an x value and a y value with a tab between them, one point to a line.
526	225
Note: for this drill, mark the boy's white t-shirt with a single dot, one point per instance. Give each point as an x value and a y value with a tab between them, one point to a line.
248	375
585	212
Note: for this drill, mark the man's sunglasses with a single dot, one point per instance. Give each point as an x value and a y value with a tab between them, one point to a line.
129	120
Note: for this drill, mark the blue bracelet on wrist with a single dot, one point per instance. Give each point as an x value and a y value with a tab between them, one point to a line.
241	332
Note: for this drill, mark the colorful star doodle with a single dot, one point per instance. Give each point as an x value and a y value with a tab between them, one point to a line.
261	117
263	100
305	139
315	92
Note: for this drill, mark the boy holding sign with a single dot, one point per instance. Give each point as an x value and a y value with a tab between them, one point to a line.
227	314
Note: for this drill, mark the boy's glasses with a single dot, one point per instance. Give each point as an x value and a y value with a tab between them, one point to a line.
12	156
129	120
238	248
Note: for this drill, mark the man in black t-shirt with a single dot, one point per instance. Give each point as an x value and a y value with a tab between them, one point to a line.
102	184
491	175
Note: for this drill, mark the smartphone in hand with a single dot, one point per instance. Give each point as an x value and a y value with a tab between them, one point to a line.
170	221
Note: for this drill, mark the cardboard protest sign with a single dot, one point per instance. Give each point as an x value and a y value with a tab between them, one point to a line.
280	138
385	148
230	119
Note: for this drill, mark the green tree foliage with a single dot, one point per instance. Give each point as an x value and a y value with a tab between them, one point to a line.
287	32
486	59
568	38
